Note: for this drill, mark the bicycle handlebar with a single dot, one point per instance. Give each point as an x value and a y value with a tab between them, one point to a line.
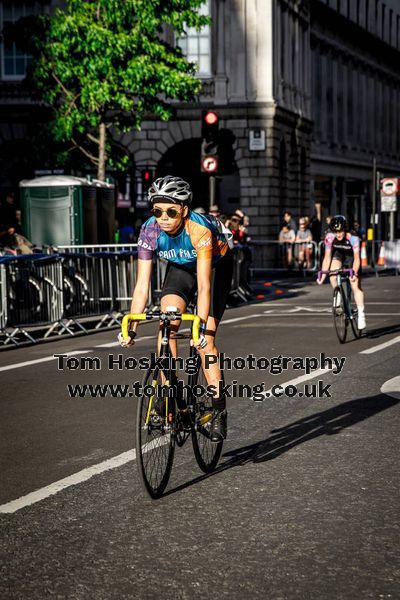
172	316
335	272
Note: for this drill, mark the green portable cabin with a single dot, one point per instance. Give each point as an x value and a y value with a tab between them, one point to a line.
65	210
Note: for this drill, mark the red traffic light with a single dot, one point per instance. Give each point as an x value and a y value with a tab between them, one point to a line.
146	175
211	118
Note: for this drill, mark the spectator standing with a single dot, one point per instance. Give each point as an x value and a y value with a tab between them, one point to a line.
304	245
214	211
358	231
289	220
316	223
127	234
233	223
287	238
8	220
327	228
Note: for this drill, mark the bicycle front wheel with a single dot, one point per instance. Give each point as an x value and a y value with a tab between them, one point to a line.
339	314
155	439
207	453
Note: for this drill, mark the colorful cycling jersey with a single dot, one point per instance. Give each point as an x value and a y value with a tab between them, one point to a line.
347	246
199	239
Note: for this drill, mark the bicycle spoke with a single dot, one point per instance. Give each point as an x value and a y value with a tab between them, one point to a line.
154	440
207	453
339	314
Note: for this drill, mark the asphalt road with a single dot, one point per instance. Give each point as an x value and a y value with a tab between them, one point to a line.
305	502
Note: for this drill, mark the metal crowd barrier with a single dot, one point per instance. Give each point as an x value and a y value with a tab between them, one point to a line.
33	294
272	255
98	281
63	290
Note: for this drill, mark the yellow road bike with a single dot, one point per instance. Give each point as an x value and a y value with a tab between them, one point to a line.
169	410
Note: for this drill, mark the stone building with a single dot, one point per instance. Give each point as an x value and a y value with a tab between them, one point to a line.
320	78
355	103
317	79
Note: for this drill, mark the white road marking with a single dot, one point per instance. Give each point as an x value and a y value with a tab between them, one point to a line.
41	360
311	304
395	340
392	388
240	319
307	309
75	479
114	344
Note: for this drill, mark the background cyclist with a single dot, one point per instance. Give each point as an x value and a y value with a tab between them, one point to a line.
342	250
199	258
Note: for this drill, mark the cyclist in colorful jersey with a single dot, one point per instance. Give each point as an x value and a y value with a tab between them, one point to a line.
342	250
199	258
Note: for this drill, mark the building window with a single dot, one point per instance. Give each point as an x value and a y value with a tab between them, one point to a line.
383	27
13	60
196	45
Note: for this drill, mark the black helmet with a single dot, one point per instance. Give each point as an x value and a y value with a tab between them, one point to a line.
170	189
338	223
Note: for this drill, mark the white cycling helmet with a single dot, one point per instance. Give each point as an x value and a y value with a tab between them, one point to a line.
170	189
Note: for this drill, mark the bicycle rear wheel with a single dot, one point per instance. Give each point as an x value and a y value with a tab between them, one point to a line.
207	453
155	439
339	314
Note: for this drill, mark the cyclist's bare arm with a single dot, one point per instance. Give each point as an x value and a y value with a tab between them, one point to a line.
325	264
356	263
140	294
204	268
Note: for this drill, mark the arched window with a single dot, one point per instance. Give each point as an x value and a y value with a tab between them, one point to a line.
196	45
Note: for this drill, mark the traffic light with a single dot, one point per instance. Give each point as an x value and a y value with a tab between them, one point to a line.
147	178
209	142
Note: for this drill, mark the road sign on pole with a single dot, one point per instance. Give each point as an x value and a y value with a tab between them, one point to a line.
389	190
209	164
389	186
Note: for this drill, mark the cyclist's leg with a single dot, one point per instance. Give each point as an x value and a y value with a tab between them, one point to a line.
178	289
308	254
336	263
180	304
300	258
220	288
359	300
358	293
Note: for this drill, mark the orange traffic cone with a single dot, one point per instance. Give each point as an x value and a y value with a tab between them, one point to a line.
381	259
364	259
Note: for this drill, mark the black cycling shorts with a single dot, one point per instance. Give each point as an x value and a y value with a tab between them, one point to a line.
347	260
182	281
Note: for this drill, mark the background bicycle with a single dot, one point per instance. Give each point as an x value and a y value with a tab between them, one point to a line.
344	308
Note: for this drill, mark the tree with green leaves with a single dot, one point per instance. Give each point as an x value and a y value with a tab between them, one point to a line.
103	64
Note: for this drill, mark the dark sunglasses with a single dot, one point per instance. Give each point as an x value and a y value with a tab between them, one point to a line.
172	213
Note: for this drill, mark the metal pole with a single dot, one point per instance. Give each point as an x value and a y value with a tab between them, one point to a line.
373	208
391	235
211	187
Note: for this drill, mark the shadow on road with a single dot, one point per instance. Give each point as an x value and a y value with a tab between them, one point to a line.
327	422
